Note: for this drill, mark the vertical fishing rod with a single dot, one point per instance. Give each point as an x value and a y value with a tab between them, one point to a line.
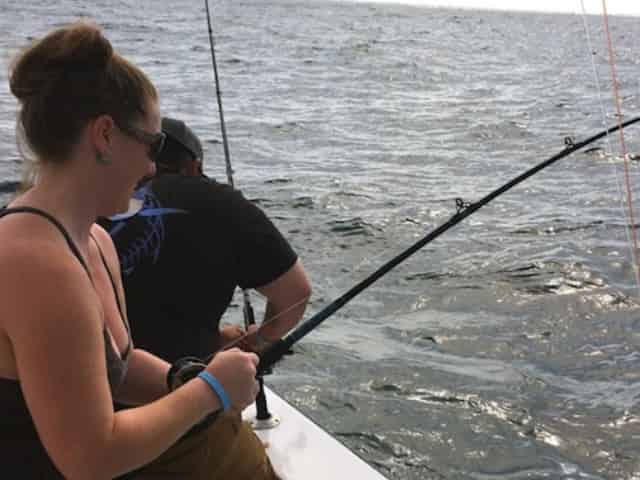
223	128
247	310
264	418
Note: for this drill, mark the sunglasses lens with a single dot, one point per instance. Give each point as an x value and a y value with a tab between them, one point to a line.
154	141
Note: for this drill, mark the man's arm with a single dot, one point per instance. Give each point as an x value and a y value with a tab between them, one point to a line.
287	298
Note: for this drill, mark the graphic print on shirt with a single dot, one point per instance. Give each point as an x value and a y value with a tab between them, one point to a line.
147	244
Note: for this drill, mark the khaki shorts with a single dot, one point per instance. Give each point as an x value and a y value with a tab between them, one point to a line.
228	449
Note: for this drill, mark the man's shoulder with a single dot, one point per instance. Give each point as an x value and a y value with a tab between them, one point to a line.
182	186
197	193
176	182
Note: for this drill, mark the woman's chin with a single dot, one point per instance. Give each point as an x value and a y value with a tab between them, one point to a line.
121	208
128	209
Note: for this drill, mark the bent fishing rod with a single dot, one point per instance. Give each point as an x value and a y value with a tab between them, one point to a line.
277	350
247	309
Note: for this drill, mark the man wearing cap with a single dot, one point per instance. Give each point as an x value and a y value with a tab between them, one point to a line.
186	244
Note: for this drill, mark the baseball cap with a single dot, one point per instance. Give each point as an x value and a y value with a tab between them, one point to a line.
179	132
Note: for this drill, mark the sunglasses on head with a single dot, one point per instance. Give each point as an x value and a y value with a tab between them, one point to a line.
155	141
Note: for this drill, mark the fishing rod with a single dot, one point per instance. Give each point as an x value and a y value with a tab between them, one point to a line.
247	309
262	411
277	350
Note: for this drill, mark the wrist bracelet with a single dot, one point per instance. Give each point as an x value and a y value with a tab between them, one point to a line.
217	388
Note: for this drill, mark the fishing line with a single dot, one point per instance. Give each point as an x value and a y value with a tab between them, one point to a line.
623	146
247	309
266	322
463	209
608	149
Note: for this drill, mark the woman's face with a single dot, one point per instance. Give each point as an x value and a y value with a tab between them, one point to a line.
135	146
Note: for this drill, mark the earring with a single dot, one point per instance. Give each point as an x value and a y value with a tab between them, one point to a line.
103	158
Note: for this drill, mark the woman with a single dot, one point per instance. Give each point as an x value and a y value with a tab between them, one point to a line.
92	121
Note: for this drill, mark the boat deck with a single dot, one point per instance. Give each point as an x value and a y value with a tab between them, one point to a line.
301	450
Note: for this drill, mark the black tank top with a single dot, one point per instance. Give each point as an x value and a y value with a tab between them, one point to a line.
21	451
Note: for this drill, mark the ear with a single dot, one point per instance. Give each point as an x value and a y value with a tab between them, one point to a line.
101	132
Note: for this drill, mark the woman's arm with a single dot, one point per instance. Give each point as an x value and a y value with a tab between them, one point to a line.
52	317
146	379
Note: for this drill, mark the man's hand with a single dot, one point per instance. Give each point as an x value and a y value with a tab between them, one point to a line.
230	333
236	336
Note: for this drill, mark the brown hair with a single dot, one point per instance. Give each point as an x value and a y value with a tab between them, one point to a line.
69	77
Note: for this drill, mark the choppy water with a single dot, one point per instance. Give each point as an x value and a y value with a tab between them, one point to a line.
507	349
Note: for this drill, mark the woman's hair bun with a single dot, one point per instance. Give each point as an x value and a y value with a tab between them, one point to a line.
68	78
77	49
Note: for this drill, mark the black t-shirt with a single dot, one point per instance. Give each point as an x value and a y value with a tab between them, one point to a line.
183	255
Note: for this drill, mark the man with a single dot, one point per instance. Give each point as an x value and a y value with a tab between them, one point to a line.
183	252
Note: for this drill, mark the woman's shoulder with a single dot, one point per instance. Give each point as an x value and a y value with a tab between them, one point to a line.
40	280
32	251
34	260
26	239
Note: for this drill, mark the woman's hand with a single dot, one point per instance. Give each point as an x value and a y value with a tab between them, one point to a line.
236	371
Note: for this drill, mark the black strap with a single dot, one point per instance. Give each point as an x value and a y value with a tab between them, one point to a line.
113	283
115	293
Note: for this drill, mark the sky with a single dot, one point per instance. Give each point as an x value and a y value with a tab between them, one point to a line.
614	7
